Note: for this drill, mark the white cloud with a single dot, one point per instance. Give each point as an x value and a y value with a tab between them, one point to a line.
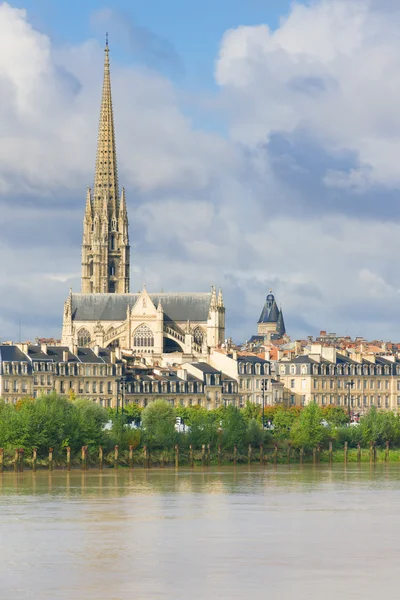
206	209
332	67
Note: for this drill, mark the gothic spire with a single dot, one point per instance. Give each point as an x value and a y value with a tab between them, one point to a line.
106	175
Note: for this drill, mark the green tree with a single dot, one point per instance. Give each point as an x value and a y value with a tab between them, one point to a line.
203	428
336	416
379	427
158	420
233	427
283	423
254	433
307	431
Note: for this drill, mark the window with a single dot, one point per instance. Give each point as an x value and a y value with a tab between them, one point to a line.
386	385
323	384
282	369
304	369
292	399
304	384
293	369
315	384
331	384
109	387
303	400
112	269
379	384
87	387
372	384
198	336
62	390
143	337
398	400
94	387
379	401
292	383
101	387
83	337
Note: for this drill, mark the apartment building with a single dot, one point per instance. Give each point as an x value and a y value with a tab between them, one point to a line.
329	377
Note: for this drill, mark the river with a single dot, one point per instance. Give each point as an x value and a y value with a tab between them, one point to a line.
247	533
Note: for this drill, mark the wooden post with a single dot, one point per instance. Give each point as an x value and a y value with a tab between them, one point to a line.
50	459
68	449
116	457
145	455
101	458
358	452
208	454
261	454
374	452
288	453
21	459
16	460
34	459
1	460
203	454
176	456
371	452
387	451
314	456
318	454
275	454
301	455
191	463
330	452
234	455
219	454
249	454
345	451
84	458
131	456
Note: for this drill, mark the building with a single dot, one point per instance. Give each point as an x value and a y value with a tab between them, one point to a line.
329	377
252	373
30	371
105	313
271	325
108	377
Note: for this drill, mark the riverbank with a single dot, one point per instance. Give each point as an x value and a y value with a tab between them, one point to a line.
18	460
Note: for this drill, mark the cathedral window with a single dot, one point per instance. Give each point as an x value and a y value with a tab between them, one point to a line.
143	337
112	242
83	337
112	269
198	336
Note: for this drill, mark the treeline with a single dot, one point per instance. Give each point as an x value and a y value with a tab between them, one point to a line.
58	423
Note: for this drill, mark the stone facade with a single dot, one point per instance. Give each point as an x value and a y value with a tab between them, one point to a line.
323	375
107	377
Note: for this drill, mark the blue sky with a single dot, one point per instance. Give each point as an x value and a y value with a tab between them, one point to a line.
257	140
193	29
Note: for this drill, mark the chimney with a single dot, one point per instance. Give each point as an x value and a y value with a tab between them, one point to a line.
96	350
235	355
182	374
43	348
118	353
112	356
65	356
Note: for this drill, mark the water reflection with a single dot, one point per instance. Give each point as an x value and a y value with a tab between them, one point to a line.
280	532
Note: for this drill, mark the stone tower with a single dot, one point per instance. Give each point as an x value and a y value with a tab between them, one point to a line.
105	244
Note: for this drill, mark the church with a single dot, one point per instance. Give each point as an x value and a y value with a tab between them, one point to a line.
105	313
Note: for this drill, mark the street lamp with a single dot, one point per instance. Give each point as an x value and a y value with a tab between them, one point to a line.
121	388
264	383
349	385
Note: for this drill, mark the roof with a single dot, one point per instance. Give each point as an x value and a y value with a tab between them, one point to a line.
205	368
12	354
251	358
112	307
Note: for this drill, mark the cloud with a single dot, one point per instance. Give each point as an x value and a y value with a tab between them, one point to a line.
300	195
331	68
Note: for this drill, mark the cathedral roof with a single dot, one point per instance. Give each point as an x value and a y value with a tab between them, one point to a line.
112	307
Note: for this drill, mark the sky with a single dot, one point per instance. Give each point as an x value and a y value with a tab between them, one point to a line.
258	143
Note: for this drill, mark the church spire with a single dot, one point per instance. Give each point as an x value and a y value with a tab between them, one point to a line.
105	244
106	175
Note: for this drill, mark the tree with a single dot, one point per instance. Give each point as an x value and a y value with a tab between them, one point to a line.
379	427
234	428
283	422
158	419
203	428
307	431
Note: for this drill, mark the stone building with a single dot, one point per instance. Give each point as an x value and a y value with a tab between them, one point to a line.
250	371
329	377
108	377
105	313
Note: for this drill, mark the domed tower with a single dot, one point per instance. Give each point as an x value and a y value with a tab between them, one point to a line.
271	319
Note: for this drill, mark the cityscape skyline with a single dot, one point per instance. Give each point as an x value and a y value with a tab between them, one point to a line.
252	198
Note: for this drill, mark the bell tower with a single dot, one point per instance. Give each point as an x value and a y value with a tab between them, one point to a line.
105	243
